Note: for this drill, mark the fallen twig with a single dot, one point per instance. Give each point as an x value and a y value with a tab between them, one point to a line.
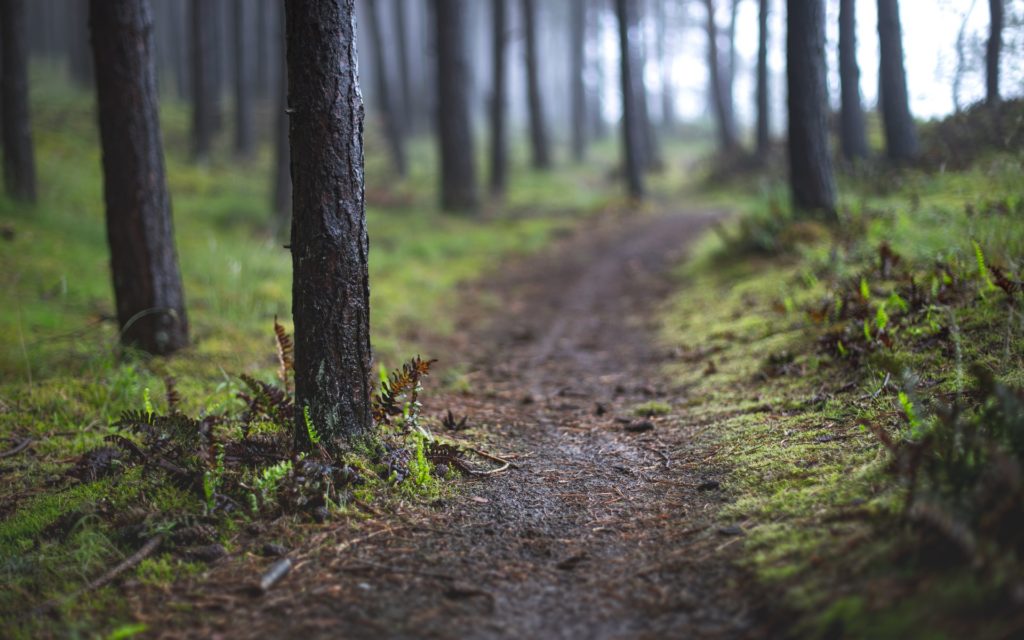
21	446
505	464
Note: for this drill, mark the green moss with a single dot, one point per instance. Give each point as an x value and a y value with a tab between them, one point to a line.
651	409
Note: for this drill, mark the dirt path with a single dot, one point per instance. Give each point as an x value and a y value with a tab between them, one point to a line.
601	532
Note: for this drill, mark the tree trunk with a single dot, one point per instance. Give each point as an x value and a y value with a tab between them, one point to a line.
538	129
404	74
961	58
577	38
203	102
852	135
458	169
763	129
19	155
387	104
900	130
668	106
79	55
330	285
650	150
810	164
144	265
723	120
730	68
631	134
995	43
282	178
243	79
598	126
499	151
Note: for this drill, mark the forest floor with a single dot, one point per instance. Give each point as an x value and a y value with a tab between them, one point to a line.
605	527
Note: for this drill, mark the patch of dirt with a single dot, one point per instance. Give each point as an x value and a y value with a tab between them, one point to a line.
605	529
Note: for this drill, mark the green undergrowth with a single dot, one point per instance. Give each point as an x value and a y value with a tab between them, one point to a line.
862	388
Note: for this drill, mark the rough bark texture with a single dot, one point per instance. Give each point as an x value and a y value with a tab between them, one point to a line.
853	138
282	153
723	119
201	21
577	36
458	170
631	133
330	286
763	131
900	131
144	265
499	150
19	155
995	44
388	104
541	153
243	77
810	164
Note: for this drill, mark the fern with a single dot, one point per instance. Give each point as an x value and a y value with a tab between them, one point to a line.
285	354
399	395
979	257
311	432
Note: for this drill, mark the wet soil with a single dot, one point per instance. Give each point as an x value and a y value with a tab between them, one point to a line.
604	529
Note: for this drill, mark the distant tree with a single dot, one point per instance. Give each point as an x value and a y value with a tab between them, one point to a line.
458	169
144	265
541	152
668	106
853	138
595	91
995	44
577	37
900	130
961	57
404	75
810	163
763	133
723	114
79	55
243	77
204	106
632	135
282	178
730	63
19	154
387	100
650	150
499	150
329	245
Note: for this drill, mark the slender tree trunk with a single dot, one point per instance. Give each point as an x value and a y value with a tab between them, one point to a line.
538	128
387	102
404	74
243	80
961	61
810	163
668	106
458	168
577	38
995	43
730	69
852	135
282	178
900	130
598	126
19	154
144	265
650	153
631	133
79	55
176	16
723	121
203	103
763	130
330	285
499	151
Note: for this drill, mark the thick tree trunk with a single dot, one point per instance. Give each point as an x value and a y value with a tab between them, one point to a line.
632	135
577	38
499	151
19	155
387	103
763	130
144	265
330	286
282	178
201	21
852	135
995	43
541	153
243	79
458	169
810	164
723	119
900	130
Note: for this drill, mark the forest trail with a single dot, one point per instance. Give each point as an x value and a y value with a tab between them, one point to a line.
604	530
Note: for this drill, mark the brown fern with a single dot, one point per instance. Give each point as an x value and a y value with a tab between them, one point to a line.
285	353
404	383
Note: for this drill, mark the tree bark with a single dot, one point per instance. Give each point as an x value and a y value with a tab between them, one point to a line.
541	153
995	43
79	55
144	264
631	134
810	164
201	21
723	120
458	168
282	178
763	128
243	79
19	154
900	130
330	285
387	102
577	38
404	74
853	138
499	151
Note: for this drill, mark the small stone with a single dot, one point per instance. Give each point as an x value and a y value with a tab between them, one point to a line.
732	530
207	552
272	549
639	426
709	485
321	514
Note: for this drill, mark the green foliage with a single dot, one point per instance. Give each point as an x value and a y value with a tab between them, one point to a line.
311	432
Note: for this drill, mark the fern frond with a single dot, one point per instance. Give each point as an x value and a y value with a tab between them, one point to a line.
285	353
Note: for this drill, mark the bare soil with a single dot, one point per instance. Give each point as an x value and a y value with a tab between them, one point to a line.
606	527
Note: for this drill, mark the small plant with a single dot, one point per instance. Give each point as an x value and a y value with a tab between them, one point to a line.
311	432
